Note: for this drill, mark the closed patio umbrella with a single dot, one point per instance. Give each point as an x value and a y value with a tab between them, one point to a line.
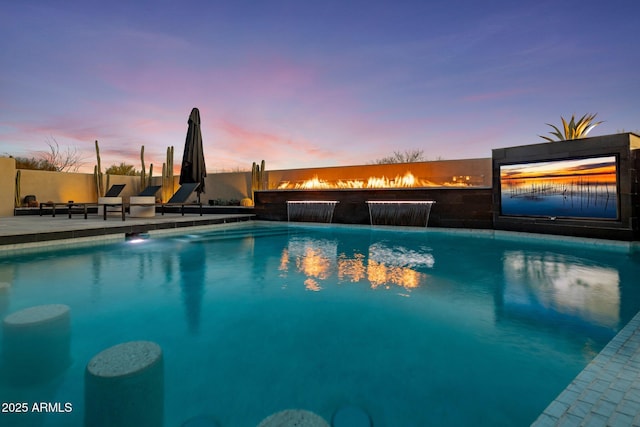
193	168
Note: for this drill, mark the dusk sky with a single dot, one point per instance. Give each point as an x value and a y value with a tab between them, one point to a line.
311	83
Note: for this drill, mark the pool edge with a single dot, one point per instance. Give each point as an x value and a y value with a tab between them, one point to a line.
606	391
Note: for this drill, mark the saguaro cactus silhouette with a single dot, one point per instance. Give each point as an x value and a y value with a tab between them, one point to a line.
144	179
167	175
18	201
258	177
97	173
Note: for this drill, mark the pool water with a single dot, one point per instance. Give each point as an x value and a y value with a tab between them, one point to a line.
416	327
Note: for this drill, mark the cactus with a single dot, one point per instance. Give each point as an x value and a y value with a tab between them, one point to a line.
258	178
96	179
18	201
145	180
254	175
164	182
254	179
143	172
97	173
170	168
167	175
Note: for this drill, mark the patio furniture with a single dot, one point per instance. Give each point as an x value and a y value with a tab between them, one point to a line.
149	191
144	204
70	205
181	196
112	199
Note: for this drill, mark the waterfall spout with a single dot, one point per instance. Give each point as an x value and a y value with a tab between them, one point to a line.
400	212
310	210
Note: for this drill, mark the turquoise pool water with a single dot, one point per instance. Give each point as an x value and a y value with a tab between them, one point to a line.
415	327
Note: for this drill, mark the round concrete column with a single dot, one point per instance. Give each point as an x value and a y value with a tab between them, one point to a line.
124	386
36	343
294	417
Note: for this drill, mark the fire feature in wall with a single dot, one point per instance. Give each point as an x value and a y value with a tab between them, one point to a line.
408	180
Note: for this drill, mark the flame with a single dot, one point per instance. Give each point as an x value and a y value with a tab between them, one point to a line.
314	182
399	181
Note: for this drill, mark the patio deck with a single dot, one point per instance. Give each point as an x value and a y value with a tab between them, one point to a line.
32	231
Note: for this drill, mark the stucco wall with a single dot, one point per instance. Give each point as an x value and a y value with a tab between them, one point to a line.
79	187
57	186
8	186
227	186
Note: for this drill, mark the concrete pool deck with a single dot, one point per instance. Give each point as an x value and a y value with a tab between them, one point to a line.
33	231
605	393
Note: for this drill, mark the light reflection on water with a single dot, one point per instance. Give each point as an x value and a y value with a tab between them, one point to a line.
555	283
273	317
382	265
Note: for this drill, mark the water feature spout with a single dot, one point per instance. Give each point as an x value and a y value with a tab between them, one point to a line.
310	210
400	212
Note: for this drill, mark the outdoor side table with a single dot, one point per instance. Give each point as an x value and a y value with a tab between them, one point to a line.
142	206
68	205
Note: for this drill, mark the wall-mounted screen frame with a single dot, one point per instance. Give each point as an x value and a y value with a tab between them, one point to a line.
583	188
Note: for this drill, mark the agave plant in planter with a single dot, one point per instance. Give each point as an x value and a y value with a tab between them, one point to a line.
573	129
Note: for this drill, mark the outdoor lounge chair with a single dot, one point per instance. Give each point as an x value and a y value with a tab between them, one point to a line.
112	199
149	191
181	196
114	190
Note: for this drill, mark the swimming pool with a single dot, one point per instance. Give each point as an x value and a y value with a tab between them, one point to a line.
417	327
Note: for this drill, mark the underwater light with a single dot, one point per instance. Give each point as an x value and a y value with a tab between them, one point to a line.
136	237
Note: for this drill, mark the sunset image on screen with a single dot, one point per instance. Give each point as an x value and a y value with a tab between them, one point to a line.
581	188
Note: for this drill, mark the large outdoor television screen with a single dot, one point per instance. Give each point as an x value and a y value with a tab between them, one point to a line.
572	188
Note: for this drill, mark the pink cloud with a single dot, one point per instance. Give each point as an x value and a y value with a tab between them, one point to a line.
249	145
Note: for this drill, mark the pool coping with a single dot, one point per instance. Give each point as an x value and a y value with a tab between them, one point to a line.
607	391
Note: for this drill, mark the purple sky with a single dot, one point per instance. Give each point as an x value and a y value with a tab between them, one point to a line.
311	83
